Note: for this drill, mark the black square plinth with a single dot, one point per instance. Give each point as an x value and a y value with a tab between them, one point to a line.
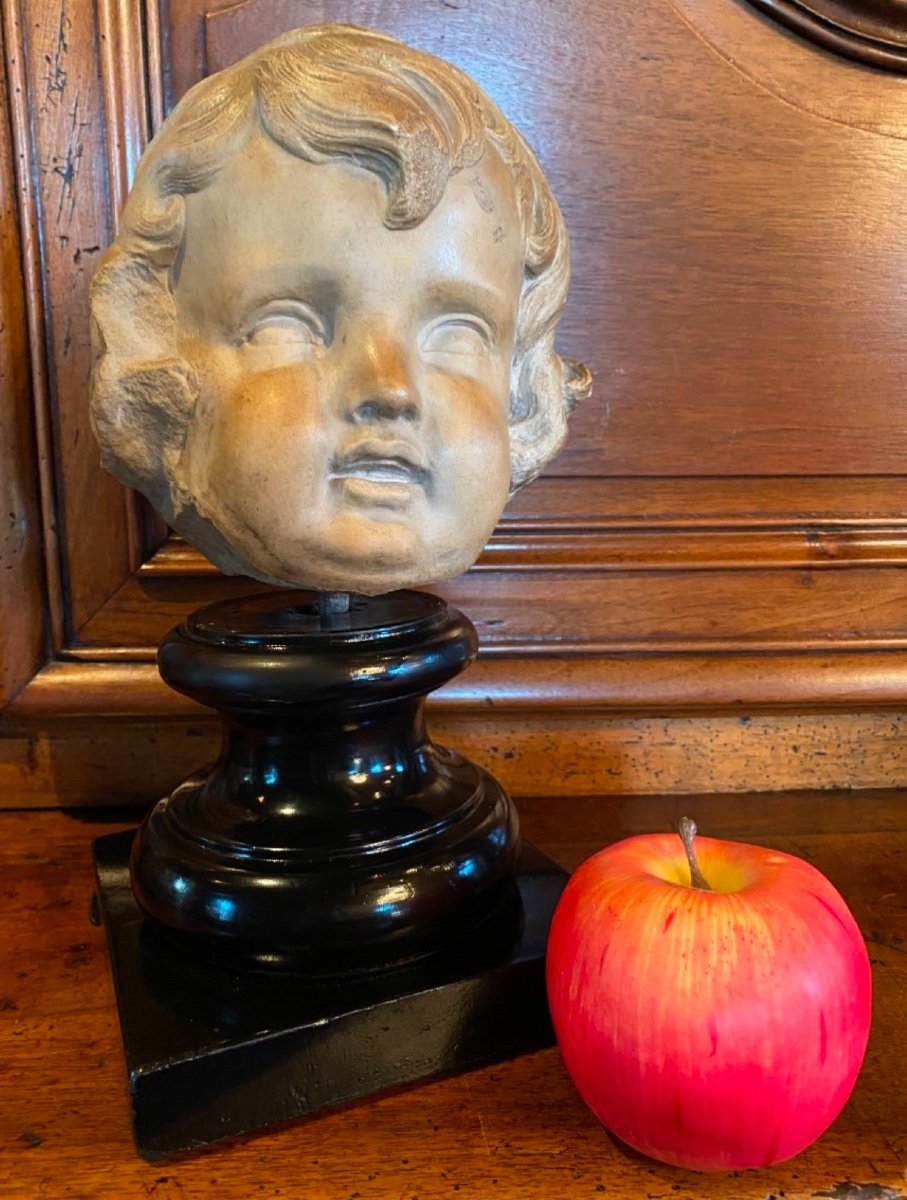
212	1053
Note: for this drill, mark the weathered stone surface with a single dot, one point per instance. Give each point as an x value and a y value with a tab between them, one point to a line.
324	335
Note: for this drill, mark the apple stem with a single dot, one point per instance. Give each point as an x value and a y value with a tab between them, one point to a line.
687	830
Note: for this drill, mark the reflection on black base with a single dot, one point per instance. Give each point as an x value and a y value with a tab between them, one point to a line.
212	1053
331	834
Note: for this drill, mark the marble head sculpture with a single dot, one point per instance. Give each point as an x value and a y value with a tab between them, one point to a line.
324	334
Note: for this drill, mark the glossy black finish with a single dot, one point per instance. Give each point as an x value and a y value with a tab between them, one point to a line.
212	1053
331	835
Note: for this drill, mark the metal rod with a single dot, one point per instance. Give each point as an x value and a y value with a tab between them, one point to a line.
332	604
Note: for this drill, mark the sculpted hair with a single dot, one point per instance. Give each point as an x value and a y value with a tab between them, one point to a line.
321	92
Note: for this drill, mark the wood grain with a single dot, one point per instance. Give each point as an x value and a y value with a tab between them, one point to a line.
727	531
66	191
589	547
873	33
42	458
535	687
127	111
566	609
123	75
778	271
515	1130
840	92
22	629
736	312
78	761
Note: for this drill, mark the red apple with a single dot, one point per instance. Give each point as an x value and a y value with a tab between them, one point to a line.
715	1027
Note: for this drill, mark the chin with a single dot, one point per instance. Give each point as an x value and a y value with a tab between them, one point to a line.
386	568
367	557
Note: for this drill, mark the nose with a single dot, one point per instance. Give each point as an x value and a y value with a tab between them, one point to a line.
380	387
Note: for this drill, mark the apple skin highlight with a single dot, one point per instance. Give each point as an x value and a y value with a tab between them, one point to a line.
715	1030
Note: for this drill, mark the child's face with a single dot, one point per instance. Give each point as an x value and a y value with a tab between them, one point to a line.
352	426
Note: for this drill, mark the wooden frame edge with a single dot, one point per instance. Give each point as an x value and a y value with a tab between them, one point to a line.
565	546
650	684
20	115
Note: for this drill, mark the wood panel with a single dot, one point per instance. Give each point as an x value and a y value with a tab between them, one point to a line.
534	687
771	564
61	139
865	30
516	1131
726	532
22	629
737	298
844	93
561	612
567	752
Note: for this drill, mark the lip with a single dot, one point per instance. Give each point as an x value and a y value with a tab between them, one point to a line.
390	464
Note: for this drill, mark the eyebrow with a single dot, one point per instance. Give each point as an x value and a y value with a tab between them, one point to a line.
469	295
287	279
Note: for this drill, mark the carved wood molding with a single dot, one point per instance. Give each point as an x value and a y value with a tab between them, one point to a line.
123	73
620	567
825	85
540	686
708	548
873	32
561	546
130	77
30	237
23	634
57	78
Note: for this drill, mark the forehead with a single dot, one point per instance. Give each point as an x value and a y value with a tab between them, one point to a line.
270	219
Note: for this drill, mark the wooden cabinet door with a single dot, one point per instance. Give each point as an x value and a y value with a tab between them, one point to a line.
705	590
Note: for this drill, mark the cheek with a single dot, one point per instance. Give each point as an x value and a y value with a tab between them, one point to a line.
476	455
489	463
476	439
264	428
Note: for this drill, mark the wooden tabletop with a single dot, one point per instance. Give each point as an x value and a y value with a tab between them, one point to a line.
516	1131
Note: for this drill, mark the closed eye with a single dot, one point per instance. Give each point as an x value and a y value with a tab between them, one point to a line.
460	333
286	327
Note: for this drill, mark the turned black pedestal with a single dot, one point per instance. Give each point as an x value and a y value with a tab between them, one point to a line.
333	875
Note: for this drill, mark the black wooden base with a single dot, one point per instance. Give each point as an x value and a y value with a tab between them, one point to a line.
212	1053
